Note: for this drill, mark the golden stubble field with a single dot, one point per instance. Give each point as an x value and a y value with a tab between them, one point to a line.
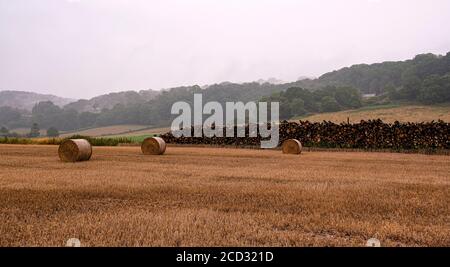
411	113
222	197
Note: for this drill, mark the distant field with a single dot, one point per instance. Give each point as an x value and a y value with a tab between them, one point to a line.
145	132
108	130
24	131
138	132
134	139
387	113
222	197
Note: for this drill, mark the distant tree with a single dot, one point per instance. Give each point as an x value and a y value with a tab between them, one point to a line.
329	104
424	78
34	131
47	114
52	132
13	134
308	97
285	109
87	119
9	115
297	107
4	131
348	97
392	92
435	89
411	86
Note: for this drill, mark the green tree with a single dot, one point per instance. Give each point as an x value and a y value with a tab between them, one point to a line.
297	107
329	104
435	89
47	114
4	131
348	97
9	115
285	109
87	119
52	132
34	131
392	92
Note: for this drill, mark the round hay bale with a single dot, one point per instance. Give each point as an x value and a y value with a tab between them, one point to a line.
292	146
73	150
153	146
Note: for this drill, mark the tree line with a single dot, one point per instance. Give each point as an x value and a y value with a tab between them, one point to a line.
293	101
423	79
296	101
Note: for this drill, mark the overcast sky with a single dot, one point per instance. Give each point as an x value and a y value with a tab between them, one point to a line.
83	48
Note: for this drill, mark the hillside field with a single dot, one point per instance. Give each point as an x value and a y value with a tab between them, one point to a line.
129	131
142	132
195	196
107	130
25	131
387	113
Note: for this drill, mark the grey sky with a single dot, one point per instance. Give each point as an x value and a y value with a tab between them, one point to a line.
83	48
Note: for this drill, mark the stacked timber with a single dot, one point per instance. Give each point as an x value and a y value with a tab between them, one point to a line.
371	134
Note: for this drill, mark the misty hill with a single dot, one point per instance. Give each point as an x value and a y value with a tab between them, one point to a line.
108	101
425	79
376	78
27	100
270	80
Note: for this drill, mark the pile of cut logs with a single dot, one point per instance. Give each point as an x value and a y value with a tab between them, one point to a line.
371	134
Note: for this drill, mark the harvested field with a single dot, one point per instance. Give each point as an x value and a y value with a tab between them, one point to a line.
194	196
107	130
145	132
25	131
413	113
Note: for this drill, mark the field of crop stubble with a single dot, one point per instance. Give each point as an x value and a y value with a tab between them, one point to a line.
222	197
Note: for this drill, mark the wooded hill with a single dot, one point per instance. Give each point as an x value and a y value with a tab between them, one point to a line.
423	79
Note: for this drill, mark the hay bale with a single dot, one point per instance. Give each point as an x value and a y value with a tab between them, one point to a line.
73	150
153	146
292	146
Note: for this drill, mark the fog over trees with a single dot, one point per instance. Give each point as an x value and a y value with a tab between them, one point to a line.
424	79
